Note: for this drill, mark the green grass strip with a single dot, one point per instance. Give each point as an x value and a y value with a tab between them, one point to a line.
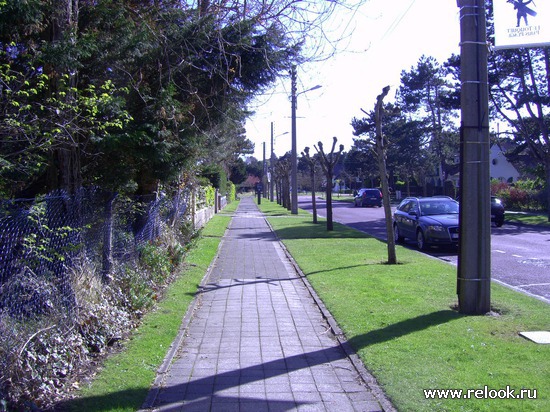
536	219
125	379
401	321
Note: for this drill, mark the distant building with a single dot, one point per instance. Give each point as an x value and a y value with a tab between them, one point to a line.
500	168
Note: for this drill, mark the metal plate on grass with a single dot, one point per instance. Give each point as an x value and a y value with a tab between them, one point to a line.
541	337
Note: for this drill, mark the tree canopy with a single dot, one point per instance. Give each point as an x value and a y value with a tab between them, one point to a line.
128	94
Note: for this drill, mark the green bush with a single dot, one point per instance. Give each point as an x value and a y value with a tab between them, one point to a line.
210	194
156	260
231	192
522	196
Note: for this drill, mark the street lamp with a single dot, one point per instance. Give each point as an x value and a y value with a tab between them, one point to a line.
294	158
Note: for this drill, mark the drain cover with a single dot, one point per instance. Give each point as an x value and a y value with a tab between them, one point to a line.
541	337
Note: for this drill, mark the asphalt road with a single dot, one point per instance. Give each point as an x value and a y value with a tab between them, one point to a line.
520	254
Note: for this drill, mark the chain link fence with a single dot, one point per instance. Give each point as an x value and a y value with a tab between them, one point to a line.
65	263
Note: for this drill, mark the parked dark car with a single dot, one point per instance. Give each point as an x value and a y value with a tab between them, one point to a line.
368	197
497	211
429	221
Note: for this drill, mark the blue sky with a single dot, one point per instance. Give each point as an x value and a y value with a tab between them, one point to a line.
388	37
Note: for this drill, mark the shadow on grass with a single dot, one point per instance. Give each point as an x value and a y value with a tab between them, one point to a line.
129	399
403	328
208	387
309	230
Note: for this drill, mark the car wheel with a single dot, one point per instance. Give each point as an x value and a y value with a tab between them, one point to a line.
499	222
420	240
396	235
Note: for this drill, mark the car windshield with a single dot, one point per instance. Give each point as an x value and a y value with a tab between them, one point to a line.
438	207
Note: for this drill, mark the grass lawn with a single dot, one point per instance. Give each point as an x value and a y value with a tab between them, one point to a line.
124	381
402	322
537	219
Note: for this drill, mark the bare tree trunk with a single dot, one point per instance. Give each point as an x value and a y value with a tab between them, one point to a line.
381	154
313	202
311	163
327	163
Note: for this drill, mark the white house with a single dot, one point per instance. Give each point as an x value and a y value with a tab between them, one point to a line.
500	168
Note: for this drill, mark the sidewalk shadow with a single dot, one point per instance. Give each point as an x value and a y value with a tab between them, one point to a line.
196	390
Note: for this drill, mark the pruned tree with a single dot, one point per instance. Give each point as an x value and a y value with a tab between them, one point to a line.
372	126
381	150
328	160
311	162
282	177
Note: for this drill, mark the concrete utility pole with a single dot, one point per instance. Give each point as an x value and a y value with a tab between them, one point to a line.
474	259
293	155
271	160
264	174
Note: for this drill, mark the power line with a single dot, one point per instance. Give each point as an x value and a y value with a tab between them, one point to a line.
397	21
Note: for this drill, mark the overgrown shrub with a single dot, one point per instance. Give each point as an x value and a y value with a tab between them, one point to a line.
42	345
53	325
524	195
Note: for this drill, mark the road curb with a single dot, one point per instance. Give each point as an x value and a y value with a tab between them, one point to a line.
356	361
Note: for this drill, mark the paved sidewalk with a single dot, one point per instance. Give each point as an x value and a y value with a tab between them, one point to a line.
256	340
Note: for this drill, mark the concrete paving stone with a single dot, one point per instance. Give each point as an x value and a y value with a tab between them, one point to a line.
253	405
343	406
201	373
199	405
278	396
305	396
254	373
363	397
301	376
225	366
257	340
206	363
303	387
195	390
169	398
335	397
268	357
226	384
225	407
176	407
253	388
278	379
367	406
283	388
178	379
356	390
328	378
311	407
